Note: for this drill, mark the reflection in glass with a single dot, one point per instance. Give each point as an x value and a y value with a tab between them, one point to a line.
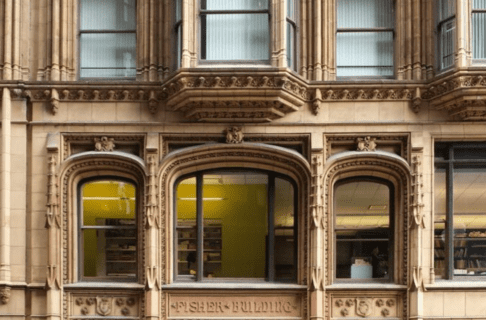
362	229
109	232
186	227
439	221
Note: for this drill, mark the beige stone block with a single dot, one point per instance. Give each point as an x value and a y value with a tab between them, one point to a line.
105	111
38	273
456	130
18	163
39	144
17	273
39	164
38	111
17	182
435	304
366	112
17	200
38	301
38	219
38	238
475	129
39	257
17	218
19	130
475	306
62	113
127	111
39	200
79	111
19	111
455	304
342	112
94	129
17	254
18	145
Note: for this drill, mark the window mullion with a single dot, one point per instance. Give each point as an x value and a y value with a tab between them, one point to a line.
449	218
200	226
271	228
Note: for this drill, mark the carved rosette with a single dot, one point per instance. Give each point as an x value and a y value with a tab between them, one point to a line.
365	307
105	306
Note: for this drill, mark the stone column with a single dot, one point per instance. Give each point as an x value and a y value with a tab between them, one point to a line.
462	28
5	188
7	45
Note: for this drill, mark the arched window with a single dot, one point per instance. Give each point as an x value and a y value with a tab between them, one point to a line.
108	230
235	224
363	229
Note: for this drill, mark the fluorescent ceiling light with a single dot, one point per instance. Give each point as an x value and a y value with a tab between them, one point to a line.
107	198
376	207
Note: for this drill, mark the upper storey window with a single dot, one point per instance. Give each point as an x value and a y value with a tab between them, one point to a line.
446	28
107	39
235	30
292	34
479	29
365	32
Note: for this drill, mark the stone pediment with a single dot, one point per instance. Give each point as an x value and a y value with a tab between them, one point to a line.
235	97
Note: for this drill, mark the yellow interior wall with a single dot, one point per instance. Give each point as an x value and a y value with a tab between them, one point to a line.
243	214
103	209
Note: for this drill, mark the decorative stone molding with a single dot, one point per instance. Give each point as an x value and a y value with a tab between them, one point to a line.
374	94
151	209
317	278
5	294
417	193
371	306
234	135
75	143
316	104
417	282
117	306
104	144
317	210
366	144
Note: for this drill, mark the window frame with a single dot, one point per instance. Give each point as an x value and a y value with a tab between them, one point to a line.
104	31
81	228
440	47
449	165
269	254
292	23
391	227
370	30
478	61
205	12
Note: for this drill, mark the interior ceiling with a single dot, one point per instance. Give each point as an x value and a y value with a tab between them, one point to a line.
469	197
235	178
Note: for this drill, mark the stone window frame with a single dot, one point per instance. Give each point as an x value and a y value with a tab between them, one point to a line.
438	25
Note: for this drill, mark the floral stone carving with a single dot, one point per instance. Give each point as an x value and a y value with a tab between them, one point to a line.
104	144
234	135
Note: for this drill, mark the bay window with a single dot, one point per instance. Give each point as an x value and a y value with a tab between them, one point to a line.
446	29
107	39
237	224
234	30
479	29
363	229
460	210
365	36
108	230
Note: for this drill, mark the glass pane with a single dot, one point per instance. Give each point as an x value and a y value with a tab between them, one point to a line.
446	9
469	153
235	224
290	46
234	4
479	4
366	14
364	54
479	35
108	55
186	227
236	37
447	36
178	10
285	268
439	221
469	221
110	250
107	15
362	230
291	9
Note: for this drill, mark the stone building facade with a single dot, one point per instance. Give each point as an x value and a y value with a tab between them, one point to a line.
361	148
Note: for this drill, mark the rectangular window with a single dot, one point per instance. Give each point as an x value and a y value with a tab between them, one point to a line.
178	31
459	212
292	34
235	30
238	225
107	39
365	33
479	29
446	28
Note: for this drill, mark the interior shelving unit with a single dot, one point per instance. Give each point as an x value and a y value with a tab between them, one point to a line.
121	248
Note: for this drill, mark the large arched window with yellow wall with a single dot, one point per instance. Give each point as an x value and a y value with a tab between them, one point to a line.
238	224
108	230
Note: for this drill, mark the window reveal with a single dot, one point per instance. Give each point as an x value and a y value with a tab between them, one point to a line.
235	225
363	229
365	32
108	230
107	39
234	30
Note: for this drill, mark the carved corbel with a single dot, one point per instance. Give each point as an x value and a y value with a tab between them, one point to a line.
417	280
417	194
317	278
417	100
316	104
5	294
54	101
152	103
152	278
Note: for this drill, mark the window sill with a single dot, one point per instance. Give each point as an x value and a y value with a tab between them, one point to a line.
367	285
457	284
104	285
233	285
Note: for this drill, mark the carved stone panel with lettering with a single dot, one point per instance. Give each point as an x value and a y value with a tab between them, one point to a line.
196	306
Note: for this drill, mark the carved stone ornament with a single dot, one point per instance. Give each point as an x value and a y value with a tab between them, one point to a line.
104	144
234	135
366	144
364	307
5	294
103	305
